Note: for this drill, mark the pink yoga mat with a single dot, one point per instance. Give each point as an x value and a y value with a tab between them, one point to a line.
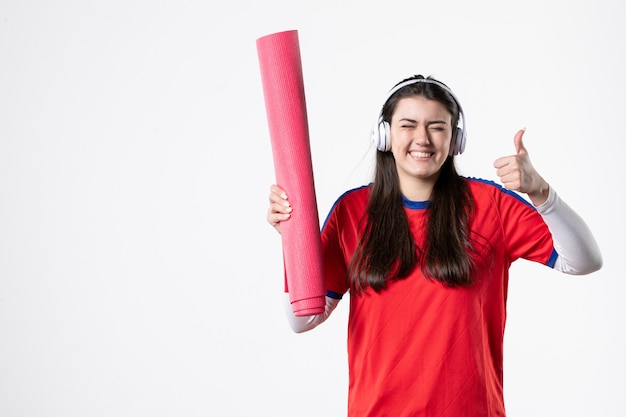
283	88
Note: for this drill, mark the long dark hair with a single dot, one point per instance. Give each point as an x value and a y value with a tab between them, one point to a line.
387	250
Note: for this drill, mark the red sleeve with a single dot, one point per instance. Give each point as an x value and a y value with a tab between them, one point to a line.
526	234
340	236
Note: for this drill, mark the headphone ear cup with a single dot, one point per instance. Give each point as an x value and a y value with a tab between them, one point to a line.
385	136
459	142
380	136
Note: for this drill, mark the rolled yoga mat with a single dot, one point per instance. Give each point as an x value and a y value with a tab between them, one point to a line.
283	88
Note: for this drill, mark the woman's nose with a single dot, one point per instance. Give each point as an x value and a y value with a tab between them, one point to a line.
420	136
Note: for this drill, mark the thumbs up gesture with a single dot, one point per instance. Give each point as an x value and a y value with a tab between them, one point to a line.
517	173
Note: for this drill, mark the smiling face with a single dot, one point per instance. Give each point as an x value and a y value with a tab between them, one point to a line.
421	135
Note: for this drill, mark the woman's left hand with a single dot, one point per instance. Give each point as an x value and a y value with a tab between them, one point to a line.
517	173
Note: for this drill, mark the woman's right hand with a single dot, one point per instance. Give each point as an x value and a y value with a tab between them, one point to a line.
280	209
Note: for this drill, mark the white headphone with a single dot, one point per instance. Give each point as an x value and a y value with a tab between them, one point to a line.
381	136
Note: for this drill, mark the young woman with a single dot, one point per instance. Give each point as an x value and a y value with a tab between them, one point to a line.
424	254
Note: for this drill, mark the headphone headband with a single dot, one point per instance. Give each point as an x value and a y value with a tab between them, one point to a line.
381	136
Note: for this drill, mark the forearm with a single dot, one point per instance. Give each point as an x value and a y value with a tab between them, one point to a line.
576	246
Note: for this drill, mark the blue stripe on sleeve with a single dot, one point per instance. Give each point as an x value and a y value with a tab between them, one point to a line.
335	295
504	190
552	260
338	200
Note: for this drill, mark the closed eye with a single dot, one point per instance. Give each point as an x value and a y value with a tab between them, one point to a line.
437	125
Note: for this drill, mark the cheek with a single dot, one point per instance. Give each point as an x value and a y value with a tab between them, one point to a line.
398	145
445	142
447	145
398	138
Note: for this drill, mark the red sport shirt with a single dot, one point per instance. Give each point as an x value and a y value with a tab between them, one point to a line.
419	348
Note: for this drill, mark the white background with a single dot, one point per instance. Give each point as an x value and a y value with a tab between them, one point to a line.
138	276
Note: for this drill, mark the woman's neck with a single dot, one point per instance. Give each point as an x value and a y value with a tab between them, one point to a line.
417	189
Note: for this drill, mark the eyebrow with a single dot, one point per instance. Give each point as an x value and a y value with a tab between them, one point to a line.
432	122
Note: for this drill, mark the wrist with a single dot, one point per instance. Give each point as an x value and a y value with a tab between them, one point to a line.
540	195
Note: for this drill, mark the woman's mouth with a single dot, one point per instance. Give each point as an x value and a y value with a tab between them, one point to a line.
416	154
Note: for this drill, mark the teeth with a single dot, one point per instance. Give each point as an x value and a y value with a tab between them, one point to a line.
420	154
